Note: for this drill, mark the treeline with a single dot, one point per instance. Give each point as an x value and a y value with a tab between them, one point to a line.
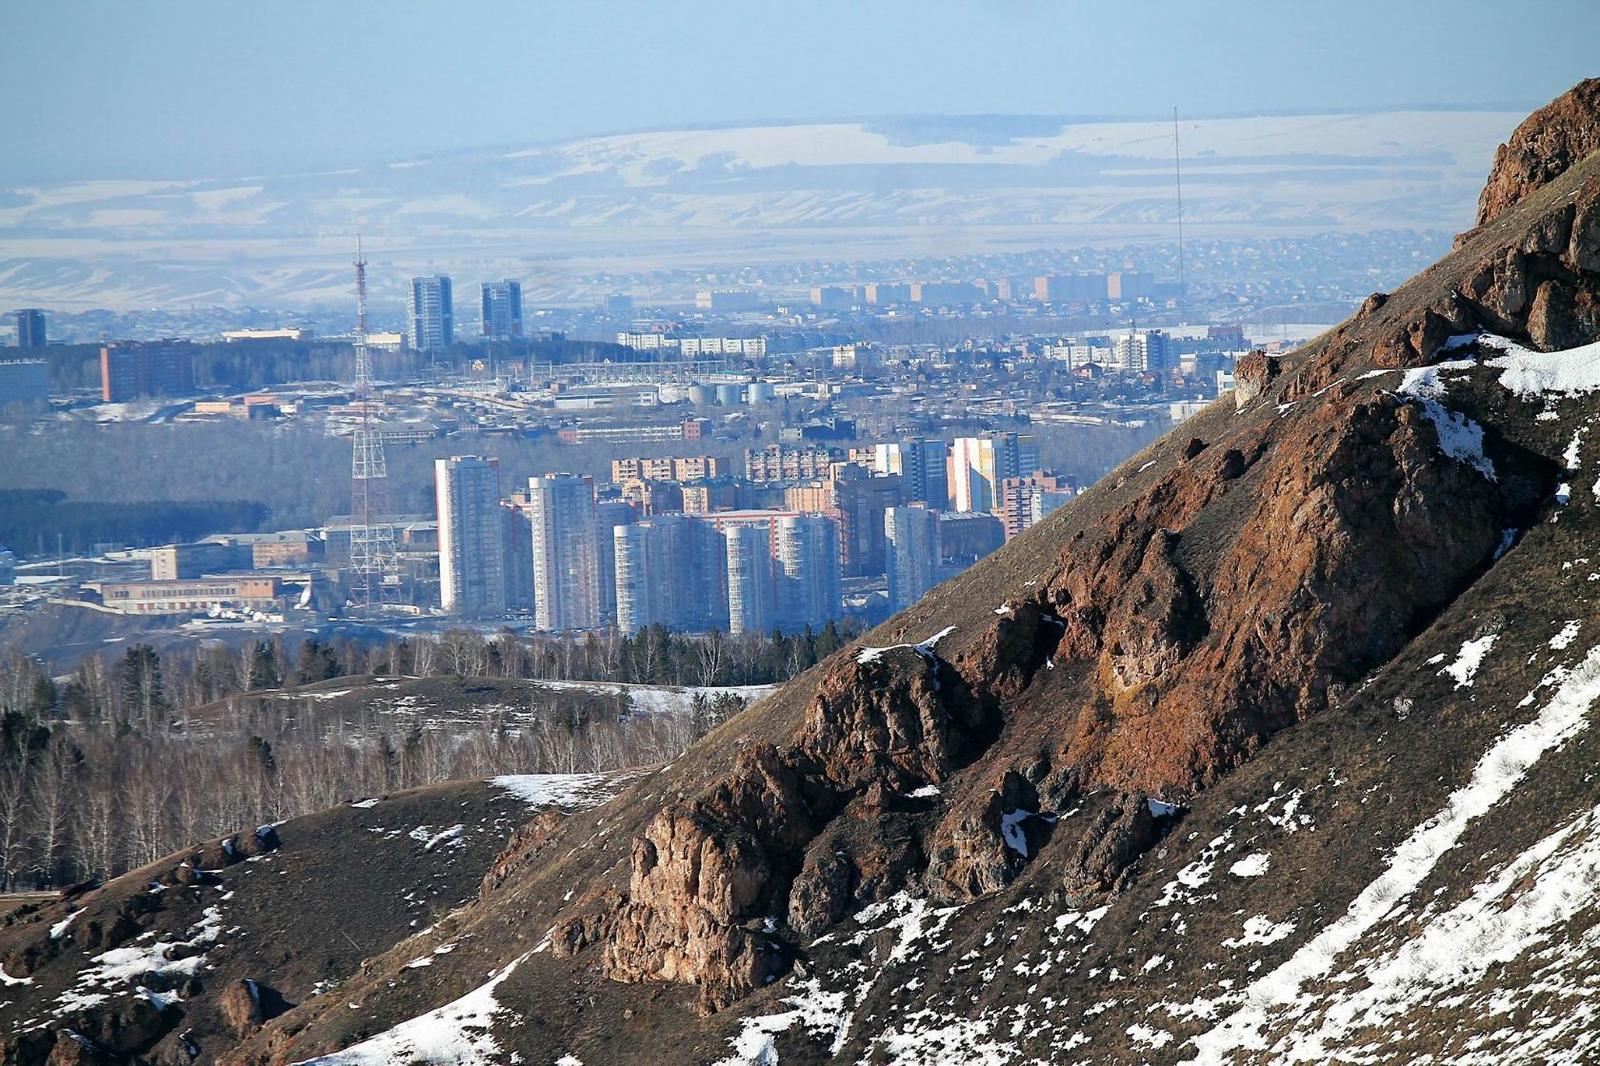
127	759
39	521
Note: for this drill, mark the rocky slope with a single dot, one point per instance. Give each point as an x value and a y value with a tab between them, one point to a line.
1274	746
180	960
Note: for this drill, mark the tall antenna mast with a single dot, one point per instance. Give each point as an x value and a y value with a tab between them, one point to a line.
1177	169
372	555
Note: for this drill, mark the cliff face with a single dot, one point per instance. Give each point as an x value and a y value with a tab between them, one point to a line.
1543	148
1204	763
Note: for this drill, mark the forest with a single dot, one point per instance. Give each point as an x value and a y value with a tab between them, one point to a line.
129	758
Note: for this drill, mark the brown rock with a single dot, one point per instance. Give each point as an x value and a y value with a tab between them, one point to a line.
1541	149
1253	372
240	1007
1120	833
970	855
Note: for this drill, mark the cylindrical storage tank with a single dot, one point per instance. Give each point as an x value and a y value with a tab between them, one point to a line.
728	395
700	395
758	392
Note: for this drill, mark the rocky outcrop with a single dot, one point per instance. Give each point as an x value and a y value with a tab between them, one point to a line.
714	876
1252	373
1121	832
1542	148
980	848
702	873
524	845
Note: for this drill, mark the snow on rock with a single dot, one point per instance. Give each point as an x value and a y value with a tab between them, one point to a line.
431	840
459	1032
7	979
924	648
365	803
1469	659
1253	865
1159	809
1148	1036
1533	375
1278	995
579	791
131	965
1011	830
1563	640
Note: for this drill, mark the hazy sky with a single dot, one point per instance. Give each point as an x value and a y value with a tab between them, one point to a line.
99	88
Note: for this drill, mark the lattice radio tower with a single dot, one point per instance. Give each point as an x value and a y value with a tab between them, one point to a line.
373	565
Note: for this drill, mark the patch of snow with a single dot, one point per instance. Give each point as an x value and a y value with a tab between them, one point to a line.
924	648
7	979
1571	455
1253	865
1469	659
431	840
459	1032
1499	771
580	791
1011	830
1532	375
1159	809
1260	930
1563	640
59	930
365	803
1149	1037
925	792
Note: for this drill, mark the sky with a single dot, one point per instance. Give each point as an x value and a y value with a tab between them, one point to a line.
162	88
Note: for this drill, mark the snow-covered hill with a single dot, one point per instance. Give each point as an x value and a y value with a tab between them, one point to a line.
695	196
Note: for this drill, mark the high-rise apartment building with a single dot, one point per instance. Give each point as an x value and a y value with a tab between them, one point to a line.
670	571
608	515
472	562
132	369
855	498
432	314
30	328
633	551
777	463
666	468
502	309
922	467
566	566
1070	288
516	533
912	535
1027	499
751	590
808	572
979	464
1128	285
1141	351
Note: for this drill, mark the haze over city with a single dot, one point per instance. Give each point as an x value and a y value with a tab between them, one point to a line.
726	534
